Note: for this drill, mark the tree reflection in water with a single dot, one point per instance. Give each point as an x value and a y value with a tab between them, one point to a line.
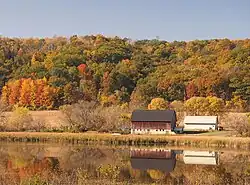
45	163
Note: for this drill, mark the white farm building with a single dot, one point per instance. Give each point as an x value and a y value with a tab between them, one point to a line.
201	123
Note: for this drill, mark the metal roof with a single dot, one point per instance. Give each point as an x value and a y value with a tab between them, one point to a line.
201	119
153	115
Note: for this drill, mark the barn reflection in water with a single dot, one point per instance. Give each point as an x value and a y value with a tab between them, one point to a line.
165	159
158	159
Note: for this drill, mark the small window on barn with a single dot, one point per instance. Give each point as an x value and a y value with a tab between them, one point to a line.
162	129
156	129
148	129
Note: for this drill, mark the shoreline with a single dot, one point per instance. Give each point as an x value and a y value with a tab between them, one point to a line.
129	140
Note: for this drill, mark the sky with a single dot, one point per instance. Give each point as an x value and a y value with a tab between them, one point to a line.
136	19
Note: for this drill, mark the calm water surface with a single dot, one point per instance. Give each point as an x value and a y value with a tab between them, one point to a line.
81	164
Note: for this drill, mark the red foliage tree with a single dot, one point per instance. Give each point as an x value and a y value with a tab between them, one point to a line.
82	68
191	90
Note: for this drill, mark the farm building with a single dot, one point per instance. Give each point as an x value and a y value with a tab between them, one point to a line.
146	159
153	121
200	157
201	123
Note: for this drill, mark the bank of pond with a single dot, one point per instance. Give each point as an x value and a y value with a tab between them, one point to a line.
54	163
128	139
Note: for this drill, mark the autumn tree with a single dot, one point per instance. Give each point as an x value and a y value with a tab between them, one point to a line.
14	92
236	104
204	106
123	70
25	92
30	93
158	104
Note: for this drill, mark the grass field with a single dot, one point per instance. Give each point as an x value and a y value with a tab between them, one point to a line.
170	140
213	133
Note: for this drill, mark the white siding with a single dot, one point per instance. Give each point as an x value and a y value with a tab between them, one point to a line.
200	123
199	127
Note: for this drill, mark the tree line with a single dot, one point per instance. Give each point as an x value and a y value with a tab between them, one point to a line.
50	72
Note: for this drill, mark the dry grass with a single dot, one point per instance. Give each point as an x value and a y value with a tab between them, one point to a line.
173	140
55	118
52	118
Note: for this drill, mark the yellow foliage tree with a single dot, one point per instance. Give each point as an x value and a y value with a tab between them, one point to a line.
25	92
5	95
204	106
216	105
156	174
158	104
236	104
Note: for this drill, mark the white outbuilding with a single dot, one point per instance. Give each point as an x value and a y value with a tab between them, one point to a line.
201	123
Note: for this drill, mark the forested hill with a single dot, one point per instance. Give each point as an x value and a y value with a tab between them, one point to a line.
47	73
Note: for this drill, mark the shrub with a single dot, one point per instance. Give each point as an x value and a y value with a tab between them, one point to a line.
81	116
37	125
3	119
85	116
236	104
22	120
178	106
19	120
115	118
240	124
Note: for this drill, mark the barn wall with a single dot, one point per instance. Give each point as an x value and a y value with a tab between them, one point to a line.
151	125
145	153
149	131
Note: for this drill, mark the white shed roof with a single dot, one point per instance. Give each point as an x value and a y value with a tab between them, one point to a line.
200	119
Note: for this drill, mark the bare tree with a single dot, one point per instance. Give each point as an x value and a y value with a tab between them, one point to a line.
85	116
3	118
241	124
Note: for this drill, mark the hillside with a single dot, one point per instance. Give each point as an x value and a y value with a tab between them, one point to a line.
50	72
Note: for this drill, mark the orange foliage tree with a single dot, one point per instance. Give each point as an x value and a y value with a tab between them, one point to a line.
29	93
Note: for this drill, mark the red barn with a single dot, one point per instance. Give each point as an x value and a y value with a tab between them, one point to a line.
153	121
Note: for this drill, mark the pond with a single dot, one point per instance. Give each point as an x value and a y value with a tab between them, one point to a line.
28	163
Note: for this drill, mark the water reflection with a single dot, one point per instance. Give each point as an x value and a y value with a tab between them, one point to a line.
20	170
164	160
60	164
158	159
201	157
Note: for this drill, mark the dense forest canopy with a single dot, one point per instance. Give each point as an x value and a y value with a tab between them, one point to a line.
50	72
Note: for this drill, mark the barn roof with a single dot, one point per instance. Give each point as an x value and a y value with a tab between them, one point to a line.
153	115
201	119
166	165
